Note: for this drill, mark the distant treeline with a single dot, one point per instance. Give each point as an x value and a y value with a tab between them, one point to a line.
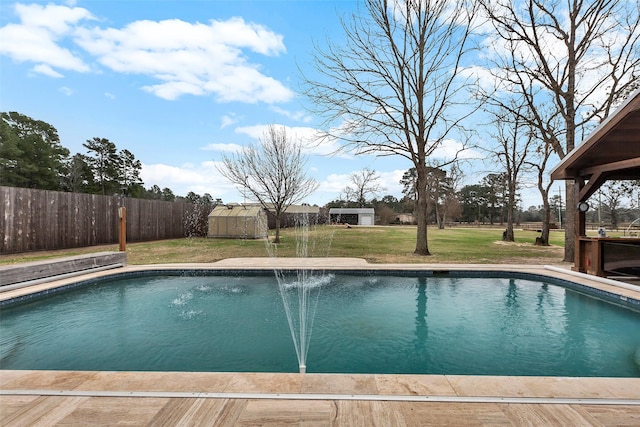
32	156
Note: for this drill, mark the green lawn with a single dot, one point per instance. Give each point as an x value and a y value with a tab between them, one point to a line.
375	244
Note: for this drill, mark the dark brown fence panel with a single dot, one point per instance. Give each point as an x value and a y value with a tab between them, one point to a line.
44	220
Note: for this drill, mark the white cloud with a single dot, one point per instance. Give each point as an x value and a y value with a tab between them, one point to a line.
181	58
334	184
109	95
228	120
173	90
24	44
47	71
192	58
202	178
224	148
256	132
299	116
312	140
302	134
449	149
54	18
391	182
36	37
482	76
66	91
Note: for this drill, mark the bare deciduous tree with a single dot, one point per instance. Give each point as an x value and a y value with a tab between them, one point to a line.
271	173
364	186
448	204
612	194
393	87
539	161
514	144
578	56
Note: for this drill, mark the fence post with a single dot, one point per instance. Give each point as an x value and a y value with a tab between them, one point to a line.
122	236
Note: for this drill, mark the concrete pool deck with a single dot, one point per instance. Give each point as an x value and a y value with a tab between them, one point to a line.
184	398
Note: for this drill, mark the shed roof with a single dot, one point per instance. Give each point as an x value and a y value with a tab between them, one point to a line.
302	209
296	209
337	211
236	211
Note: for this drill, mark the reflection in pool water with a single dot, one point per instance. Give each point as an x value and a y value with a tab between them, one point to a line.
363	324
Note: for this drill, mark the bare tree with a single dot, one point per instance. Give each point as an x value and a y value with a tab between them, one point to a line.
393	88
364	186
512	151
539	161
612	194
272	173
449	196
511	96
578	56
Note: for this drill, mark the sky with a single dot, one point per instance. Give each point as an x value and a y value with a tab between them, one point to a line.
182	83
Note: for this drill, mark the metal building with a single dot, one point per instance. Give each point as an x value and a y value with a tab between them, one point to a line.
352	216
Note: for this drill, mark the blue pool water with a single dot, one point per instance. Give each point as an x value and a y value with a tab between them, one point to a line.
363	324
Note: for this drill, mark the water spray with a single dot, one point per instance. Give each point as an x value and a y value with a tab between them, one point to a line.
300	298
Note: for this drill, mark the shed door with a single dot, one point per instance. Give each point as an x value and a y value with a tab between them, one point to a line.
366	220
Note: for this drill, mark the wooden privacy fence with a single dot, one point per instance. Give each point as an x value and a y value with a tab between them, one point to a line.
43	220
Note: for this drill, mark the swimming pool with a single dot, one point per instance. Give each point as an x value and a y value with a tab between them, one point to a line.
392	322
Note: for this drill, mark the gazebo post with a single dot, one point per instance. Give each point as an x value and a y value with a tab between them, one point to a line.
580	228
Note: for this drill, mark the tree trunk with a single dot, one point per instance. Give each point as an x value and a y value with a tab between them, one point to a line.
422	247
570	186
546	221
569	223
509	237
277	238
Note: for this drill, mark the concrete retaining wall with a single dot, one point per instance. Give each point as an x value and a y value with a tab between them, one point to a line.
30	271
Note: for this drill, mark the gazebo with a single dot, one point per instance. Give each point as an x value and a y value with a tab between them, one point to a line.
611	152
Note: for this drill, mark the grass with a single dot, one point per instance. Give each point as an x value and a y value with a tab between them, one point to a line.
375	244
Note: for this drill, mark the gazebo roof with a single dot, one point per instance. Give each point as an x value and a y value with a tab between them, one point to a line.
611	152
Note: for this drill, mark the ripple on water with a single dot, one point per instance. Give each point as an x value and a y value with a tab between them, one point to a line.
190	314
183	299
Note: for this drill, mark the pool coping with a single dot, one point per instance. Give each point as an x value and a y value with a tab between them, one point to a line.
580	390
613	291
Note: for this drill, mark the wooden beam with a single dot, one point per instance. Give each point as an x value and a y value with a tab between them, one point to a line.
595	182
614	166
618	133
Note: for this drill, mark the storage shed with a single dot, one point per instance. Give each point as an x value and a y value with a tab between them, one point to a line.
352	216
295	215
237	222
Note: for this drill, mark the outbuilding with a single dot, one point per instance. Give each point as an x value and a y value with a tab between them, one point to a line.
236	221
295	215
352	216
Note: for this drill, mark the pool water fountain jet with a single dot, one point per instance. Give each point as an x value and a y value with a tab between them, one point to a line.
300	295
